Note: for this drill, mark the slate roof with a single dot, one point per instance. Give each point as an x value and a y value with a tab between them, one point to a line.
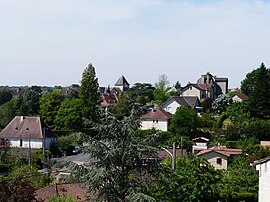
261	161
221	150
187	101
73	189
25	127
121	81
159	113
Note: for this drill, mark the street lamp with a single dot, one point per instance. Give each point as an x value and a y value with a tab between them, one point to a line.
173	155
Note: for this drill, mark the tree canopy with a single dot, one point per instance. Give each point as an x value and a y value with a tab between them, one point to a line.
256	86
89	93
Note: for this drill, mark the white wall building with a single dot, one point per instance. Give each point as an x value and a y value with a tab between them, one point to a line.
174	102
263	166
23	130
158	119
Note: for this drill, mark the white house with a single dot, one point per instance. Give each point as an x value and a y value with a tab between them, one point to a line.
28	132
263	166
158	119
240	97
174	102
198	144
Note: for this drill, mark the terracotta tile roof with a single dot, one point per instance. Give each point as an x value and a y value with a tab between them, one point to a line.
242	96
108	100
73	189
224	151
26	126
159	113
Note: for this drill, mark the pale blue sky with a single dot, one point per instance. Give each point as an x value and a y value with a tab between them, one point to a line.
51	42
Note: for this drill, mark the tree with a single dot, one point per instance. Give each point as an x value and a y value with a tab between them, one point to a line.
28	102
240	183
184	122
89	93
122	108
194	179
163	82
221	103
177	85
122	163
7	112
142	92
49	106
5	95
69	115
256	86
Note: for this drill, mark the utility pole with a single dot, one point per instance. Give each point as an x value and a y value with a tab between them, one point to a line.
173	157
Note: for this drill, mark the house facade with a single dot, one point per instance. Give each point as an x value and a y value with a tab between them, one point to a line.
174	102
158	119
219	156
28	132
240	97
198	144
207	86
263	166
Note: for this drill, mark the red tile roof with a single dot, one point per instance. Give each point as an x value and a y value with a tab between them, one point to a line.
221	150
73	189
159	113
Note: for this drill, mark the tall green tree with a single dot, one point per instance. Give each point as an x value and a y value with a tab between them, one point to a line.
7	112
89	93
49	106
5	95
121	163
28	102
194	179
256	86
142	92
69	115
184	122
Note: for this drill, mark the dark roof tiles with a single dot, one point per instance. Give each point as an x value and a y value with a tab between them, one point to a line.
159	113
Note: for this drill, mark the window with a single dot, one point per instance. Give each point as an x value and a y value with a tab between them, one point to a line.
219	161
21	141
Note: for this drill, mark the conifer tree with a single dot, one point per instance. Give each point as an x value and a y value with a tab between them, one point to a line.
89	93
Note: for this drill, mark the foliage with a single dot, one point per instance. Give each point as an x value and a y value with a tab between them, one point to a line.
256	86
28	102
18	188
49	106
122	108
5	95
162	138
7	112
177	85
163	82
141	93
122	163
89	93
238	113
184	122
194	179
221	103
35	179
260	129
241	180
60	198
69	116
160	96
65	145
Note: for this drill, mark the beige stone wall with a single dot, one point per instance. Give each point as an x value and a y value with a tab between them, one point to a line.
212	159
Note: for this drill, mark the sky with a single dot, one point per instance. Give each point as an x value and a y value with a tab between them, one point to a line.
51	42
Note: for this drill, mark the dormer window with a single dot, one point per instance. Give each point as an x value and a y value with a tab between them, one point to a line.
16	129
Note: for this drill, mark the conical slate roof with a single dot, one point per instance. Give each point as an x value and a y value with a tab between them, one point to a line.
121	81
